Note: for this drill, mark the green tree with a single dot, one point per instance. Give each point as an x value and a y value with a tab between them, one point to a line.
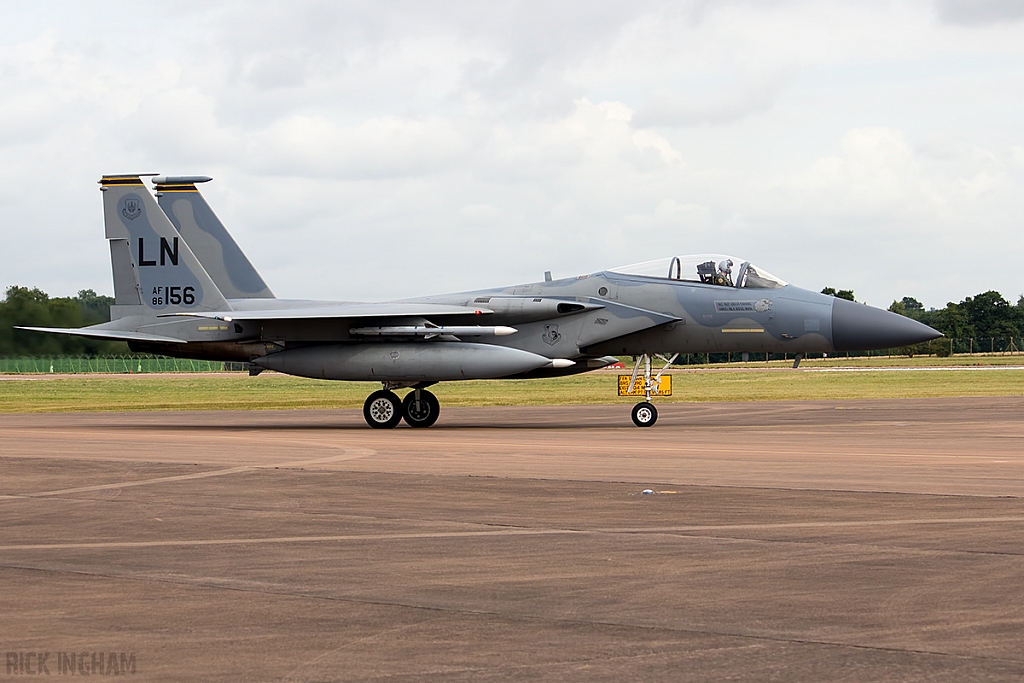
95	307
912	308
34	308
991	315
953	321
840	294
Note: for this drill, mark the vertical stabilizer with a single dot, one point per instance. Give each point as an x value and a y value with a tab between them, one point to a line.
148	254
208	238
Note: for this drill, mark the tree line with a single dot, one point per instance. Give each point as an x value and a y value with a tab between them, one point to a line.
35	308
984	316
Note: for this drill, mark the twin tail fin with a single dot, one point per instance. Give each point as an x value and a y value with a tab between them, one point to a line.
220	255
153	266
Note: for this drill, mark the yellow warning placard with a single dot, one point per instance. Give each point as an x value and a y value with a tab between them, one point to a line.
662	388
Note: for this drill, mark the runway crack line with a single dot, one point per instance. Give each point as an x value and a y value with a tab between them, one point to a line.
549	667
349	454
445	609
294	539
499	531
817	525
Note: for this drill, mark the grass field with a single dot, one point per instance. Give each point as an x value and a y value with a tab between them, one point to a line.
962	360
236	391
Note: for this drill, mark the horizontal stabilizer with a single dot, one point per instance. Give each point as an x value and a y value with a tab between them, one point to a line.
355	310
111	335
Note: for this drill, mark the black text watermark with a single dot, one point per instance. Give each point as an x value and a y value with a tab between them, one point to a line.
70	663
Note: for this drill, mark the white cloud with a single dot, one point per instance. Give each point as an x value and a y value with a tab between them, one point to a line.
875	173
367	151
977	12
714	106
383	147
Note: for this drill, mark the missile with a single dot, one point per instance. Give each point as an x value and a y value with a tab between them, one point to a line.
434	330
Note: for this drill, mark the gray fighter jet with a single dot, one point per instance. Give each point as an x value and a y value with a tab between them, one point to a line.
183	288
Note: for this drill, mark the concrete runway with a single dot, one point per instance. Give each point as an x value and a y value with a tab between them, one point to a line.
823	541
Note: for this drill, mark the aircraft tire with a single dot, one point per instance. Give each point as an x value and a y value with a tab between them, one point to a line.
424	414
644	414
383	409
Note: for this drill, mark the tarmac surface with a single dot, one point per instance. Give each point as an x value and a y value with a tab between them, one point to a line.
801	541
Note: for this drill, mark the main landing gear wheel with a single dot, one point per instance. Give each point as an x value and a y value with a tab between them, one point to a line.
420	408
383	409
644	414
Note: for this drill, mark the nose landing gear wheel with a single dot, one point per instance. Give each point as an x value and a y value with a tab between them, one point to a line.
382	410
644	414
422	410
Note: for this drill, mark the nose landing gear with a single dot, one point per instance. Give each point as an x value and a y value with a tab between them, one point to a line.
645	414
384	410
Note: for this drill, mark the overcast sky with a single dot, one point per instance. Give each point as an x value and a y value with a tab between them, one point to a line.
376	150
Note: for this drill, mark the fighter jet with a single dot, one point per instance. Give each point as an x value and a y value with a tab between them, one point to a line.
183	288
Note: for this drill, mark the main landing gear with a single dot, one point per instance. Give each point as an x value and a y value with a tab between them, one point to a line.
384	410
420	408
645	414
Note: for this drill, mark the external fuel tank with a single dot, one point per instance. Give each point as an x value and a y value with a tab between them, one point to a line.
413	361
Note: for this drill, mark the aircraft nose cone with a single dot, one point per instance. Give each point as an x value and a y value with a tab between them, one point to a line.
856	327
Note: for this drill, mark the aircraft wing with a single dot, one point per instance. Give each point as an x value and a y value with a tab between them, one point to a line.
111	335
343	311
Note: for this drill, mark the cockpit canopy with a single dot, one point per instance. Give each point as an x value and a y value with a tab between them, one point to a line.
711	269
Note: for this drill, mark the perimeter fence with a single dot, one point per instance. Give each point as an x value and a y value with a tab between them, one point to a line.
942	347
113	365
1009	345
137	364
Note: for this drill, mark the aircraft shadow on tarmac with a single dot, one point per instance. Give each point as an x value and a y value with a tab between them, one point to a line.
312	426
580	417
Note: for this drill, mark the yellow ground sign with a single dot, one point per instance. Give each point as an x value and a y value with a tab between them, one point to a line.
662	388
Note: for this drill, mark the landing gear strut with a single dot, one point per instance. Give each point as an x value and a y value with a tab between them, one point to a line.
384	410
420	408
645	414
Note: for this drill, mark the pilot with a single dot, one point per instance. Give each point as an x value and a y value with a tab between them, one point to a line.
724	276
